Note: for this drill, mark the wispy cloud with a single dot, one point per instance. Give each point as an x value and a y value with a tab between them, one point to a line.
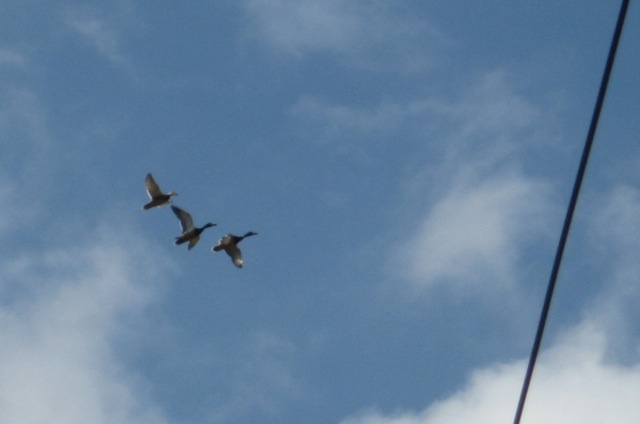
489	107
12	58
488	115
101	33
23	118
262	381
25	140
589	372
64	312
469	236
66	309
338	122
573	383
614	231
482	208
372	35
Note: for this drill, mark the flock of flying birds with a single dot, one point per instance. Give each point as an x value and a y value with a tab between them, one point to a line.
191	233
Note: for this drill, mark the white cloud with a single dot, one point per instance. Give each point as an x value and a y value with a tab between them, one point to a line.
617	221
368	35
308	24
615	242
99	32
341	122
469	236
64	313
488	116
489	108
482	210
572	383
588	373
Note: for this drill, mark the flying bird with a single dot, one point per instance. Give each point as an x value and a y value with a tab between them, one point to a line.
190	233
229	244
158	198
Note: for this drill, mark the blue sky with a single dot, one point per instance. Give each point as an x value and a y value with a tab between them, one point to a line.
406	166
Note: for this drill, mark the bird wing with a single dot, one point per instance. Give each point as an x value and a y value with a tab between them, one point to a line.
153	190
222	244
235	254
193	242
186	222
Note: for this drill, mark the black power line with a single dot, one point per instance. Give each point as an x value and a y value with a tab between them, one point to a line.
571	209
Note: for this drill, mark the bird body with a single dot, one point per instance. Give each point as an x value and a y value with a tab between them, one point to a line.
229	244
190	233
156	196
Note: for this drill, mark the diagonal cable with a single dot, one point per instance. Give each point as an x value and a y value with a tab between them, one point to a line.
570	210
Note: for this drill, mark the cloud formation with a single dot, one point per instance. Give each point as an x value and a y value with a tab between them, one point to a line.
573	383
483	209
371	35
64	313
587	373
469	235
339	122
262	379
614	244
100	32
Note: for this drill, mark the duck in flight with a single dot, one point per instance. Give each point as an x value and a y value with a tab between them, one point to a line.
190	233
156	196
229	244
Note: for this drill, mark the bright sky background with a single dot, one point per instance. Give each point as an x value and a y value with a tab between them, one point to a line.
406	165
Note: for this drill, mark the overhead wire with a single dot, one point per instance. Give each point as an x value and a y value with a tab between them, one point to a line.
571	209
